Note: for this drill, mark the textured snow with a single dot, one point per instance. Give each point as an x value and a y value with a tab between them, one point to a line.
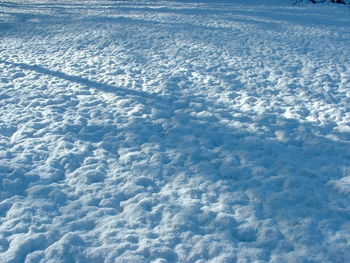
174	131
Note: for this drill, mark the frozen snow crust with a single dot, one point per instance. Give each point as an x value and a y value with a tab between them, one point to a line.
168	131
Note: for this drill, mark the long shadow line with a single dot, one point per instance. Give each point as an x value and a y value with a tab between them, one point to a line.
86	82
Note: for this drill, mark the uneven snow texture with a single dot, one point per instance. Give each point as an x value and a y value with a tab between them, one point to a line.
174	131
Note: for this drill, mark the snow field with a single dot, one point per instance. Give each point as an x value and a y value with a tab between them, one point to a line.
172	131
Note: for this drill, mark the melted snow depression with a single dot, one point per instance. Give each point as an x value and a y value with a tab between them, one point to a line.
174	131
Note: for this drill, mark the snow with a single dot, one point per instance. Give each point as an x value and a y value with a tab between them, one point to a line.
174	131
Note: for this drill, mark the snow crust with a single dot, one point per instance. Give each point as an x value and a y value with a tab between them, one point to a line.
174	131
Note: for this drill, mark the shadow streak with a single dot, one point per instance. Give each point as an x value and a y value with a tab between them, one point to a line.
79	80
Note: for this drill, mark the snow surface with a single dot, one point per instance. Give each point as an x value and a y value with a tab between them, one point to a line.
174	131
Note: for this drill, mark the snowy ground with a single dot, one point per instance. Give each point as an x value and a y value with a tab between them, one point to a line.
174	131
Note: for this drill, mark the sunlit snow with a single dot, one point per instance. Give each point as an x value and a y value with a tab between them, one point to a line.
174	131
